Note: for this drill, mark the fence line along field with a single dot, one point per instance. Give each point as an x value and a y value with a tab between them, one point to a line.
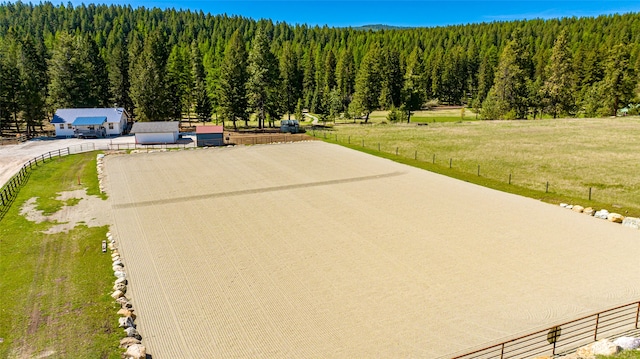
315	250
573	155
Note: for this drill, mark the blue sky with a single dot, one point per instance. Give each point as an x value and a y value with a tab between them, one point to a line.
426	13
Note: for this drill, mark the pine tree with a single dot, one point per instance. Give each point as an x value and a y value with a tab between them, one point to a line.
413	92
149	90
118	68
618	82
290	78
33	82
69	82
558	87
391	79
510	85
308	78
178	81
95	70
9	89
368	84
263	77
345	77
232	91
203	107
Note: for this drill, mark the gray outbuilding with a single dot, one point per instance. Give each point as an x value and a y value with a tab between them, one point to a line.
148	133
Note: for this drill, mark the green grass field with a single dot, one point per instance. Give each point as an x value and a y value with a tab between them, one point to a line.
572	155
627	354
54	292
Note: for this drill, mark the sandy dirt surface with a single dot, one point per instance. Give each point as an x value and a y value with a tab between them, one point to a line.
12	157
312	250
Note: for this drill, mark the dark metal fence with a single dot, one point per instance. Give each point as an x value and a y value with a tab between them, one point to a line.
564	337
10	189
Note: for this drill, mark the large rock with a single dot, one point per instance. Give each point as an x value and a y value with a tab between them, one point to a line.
121	280
615	218
602	214
132	333
120	274
589	211
631	222
127	342
127	313
117	294
117	269
121	287
136	351
578	209
601	347
126	322
124	303
627	343
117	262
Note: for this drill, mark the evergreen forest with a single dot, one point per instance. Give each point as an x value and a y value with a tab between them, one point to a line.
167	64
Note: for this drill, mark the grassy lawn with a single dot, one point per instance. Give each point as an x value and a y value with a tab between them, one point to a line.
54	293
627	354
572	155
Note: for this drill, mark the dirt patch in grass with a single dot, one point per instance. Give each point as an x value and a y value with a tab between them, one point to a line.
79	208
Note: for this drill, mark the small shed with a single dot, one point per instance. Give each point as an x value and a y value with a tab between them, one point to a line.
210	136
90	122
148	133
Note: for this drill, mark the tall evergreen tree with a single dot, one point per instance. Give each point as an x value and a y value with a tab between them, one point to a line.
203	103
149	90
263	78
391	78
178	81
290	76
96	74
558	86
9	89
308	78
33	84
618	82
368	84
413	92
232	91
69	85
510	85
118	68
346	76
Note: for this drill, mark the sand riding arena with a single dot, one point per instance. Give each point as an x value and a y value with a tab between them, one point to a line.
312	250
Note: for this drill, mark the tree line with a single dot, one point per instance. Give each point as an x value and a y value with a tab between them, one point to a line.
162	64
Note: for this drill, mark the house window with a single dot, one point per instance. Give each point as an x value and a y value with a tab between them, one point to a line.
62	126
111	126
69	126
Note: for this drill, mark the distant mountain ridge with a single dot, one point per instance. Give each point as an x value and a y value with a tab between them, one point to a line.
376	27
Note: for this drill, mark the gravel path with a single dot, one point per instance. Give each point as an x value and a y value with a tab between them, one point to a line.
12	157
311	250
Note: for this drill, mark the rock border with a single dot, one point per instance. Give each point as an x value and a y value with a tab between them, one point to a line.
132	341
631	222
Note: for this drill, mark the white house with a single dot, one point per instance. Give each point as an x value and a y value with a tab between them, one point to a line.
97	122
156	132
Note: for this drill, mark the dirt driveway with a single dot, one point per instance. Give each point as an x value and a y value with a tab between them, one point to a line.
312	250
12	157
